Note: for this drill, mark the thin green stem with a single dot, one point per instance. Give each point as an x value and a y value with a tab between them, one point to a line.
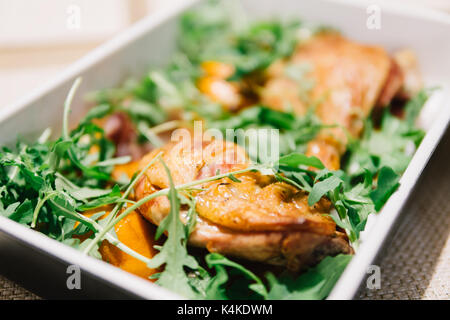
44	136
67	104
150	135
112	240
12	175
167	126
119	205
39	206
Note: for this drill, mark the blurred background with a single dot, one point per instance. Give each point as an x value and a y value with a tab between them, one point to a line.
39	38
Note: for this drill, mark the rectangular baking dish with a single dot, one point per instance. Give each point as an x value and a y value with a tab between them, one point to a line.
40	264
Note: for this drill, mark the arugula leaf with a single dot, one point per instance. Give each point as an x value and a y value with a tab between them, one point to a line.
414	105
315	284
321	188
210	32
32	178
297	159
392	145
353	203
215	289
94	252
58	151
386	186
44	184
78	193
143	110
62	206
173	254
97	112
7	212
23	213
102	199
294	132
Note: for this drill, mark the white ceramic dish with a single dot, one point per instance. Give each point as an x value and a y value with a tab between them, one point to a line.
149	43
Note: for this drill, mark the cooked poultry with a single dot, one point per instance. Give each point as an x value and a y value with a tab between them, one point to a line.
258	218
345	80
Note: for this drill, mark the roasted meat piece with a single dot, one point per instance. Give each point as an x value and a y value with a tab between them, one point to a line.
344	80
258	218
345	77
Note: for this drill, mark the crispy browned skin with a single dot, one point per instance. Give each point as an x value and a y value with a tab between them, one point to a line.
347	79
257	219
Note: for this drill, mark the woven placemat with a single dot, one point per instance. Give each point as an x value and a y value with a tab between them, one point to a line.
415	263
11	291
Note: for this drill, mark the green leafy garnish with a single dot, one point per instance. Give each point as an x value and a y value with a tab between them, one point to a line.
314	284
386	185
217	31
296	160
293	132
392	145
173	254
48	185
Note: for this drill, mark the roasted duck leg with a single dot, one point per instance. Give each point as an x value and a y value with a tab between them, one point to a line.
344	81
258	218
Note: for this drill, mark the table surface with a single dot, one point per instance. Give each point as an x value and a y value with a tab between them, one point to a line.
415	263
